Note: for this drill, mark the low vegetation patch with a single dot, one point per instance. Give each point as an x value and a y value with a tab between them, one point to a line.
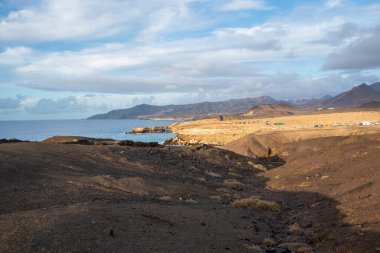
233	174
269	242
256	204
296	228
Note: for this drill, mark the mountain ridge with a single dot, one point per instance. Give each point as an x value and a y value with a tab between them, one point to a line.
186	111
353	98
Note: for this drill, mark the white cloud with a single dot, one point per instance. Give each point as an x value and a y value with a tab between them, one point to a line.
222	53
276	57
226	57
10	103
64	105
361	54
236	5
16	56
55	20
333	3
52	20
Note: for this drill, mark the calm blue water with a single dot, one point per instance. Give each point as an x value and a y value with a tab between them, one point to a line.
38	130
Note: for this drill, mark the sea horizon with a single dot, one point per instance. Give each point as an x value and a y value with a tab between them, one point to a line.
39	130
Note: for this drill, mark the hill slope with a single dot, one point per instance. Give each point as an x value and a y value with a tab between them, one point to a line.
376	86
145	111
270	110
357	96
371	105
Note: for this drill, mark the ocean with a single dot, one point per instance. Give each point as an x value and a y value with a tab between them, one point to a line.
38	130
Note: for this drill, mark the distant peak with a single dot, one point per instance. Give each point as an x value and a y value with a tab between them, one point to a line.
362	86
326	97
143	105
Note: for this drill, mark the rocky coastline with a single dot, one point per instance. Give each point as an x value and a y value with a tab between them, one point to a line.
153	129
98	141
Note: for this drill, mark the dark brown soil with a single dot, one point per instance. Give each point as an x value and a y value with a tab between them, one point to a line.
346	169
96	198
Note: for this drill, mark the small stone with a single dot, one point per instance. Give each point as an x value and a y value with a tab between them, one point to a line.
270	250
260	167
166	198
213	174
190	201
194	169
216	198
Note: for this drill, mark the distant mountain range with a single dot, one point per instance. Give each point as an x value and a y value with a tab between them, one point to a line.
197	110
356	97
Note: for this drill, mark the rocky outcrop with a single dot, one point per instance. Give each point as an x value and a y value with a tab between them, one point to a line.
154	129
137	143
10	141
98	141
187	141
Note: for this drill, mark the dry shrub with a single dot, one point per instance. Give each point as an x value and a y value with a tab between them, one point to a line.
296	229
253	248
296	247
232	182
233	174
269	242
256	204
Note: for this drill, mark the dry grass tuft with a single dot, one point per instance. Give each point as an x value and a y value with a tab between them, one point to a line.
296	229
233	174
269	242
297	247
348	214
213	174
253	248
305	184
232	182
256	204
305	250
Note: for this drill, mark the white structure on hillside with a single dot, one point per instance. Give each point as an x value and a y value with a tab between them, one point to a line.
365	123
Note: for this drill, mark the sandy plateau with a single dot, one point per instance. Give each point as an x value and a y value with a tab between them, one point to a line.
298	127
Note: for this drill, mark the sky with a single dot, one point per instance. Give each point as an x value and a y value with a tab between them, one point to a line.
70	59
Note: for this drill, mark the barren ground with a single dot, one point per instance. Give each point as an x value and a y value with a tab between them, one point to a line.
282	189
96	198
214	131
